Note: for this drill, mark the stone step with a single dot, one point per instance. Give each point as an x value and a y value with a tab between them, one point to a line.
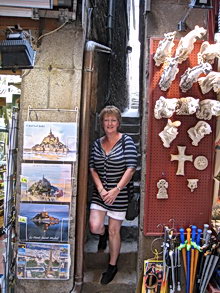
135	136
130	120
130	128
123	282
127	259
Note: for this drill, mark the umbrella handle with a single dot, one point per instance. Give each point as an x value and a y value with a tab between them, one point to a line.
182	238
205	228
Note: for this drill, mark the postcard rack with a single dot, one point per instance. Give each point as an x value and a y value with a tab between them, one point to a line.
35	110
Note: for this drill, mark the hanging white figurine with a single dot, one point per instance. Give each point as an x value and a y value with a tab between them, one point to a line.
186	44
191	75
169	132
169	73
192	184
164	108
210	81
208	52
164	48
197	132
181	158
208	108
162	186
187	106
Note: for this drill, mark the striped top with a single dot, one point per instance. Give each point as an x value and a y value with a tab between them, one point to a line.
111	168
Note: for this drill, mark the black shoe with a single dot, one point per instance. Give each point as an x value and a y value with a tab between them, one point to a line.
103	240
108	276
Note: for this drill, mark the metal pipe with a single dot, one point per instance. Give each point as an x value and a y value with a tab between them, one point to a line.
110	22
88	68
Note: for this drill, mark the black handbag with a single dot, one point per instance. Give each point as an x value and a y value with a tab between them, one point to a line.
133	204
133	199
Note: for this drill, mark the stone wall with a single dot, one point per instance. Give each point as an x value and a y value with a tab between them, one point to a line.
54	83
162	18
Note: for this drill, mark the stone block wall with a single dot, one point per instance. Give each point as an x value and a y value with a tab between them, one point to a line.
54	83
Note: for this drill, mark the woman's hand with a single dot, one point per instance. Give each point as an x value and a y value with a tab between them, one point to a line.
110	197
103	194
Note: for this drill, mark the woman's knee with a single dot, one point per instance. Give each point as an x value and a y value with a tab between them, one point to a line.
95	227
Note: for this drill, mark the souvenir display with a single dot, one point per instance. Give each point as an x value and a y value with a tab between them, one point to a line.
153	275
169	133
197	132
169	73
181	158
187	106
50	141
208	52
44	222
162	186
210	82
164	108
46	182
186	43
192	184
191	75
201	163
47	261
164	48
208	108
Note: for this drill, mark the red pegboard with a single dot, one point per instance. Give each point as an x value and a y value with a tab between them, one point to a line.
184	206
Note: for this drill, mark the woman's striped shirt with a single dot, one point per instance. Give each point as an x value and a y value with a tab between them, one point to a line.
111	167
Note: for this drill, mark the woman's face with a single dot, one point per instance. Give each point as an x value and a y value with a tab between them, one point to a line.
110	124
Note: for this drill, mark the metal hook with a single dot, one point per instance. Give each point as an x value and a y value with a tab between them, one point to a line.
161	225
173	220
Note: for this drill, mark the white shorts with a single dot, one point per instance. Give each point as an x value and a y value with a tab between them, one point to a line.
112	214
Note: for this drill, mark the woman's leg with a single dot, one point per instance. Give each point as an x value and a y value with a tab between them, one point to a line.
114	240
96	221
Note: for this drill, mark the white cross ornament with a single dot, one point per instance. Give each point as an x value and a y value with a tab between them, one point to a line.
181	158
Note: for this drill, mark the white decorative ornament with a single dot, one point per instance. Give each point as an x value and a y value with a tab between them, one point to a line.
208	52
169	132
208	108
186	44
201	163
181	158
162	186
192	184
197	132
191	75
169	73
187	106
164	48
164	108
211	81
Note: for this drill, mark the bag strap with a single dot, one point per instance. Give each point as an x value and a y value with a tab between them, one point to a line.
123	147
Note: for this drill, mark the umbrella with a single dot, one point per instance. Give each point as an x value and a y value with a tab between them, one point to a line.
203	261
188	246
199	232
182	247
193	243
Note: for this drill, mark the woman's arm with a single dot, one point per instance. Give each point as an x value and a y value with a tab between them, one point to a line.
98	183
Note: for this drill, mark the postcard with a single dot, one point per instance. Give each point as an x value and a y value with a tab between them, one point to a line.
50	141
44	222
50	261
46	182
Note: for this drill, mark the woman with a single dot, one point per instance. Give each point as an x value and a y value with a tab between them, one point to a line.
112	164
